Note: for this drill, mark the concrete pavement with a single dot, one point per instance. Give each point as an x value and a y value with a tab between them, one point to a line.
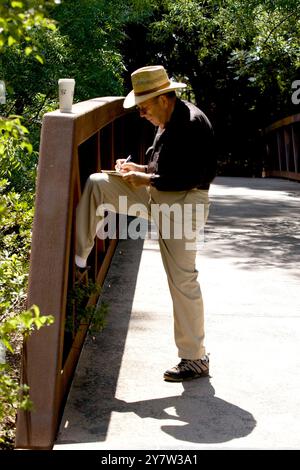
250	278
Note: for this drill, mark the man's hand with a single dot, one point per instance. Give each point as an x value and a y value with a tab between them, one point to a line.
136	178
123	167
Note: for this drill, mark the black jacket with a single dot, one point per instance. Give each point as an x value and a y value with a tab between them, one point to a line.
183	155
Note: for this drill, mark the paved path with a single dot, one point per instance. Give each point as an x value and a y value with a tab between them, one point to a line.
250	278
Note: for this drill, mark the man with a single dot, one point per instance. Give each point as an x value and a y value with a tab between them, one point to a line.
180	168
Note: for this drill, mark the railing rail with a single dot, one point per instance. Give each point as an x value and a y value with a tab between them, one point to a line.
282	144
72	146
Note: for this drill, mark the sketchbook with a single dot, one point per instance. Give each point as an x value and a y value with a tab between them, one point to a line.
112	172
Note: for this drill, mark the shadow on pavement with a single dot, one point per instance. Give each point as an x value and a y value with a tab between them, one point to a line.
97	374
199	416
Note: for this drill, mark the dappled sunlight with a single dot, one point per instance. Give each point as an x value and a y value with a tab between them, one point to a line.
254	225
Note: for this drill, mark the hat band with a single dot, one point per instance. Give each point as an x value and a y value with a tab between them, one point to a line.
164	85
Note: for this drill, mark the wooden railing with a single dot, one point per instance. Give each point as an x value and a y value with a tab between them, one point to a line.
282	144
72	146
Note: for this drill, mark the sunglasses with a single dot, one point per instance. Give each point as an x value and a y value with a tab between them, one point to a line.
144	109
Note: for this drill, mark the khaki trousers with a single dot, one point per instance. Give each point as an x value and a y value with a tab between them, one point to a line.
178	261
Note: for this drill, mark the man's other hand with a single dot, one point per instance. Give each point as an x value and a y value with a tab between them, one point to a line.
136	178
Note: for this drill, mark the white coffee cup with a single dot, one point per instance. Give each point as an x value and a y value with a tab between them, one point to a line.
66	92
2	92
2	353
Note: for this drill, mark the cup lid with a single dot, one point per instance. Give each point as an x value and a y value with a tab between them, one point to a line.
66	80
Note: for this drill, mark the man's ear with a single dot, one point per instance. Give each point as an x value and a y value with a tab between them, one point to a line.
163	100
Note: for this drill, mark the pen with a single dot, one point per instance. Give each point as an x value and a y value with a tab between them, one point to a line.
126	161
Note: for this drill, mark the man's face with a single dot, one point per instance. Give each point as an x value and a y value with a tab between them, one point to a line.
154	110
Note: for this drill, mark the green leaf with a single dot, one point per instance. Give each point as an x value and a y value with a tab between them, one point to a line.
11	40
7	344
27	146
39	58
28	50
15	4
51	26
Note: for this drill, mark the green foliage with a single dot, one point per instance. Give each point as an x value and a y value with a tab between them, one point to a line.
257	38
24	323
79	311
93	30
18	19
270	30
85	45
12	395
238	58
17	160
19	25
16	214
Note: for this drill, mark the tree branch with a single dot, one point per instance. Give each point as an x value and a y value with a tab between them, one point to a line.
279	24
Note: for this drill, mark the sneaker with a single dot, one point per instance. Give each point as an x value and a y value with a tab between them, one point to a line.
188	369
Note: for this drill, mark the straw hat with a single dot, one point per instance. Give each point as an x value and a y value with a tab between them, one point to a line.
149	82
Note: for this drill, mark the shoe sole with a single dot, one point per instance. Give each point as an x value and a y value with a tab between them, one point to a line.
168	378
82	275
